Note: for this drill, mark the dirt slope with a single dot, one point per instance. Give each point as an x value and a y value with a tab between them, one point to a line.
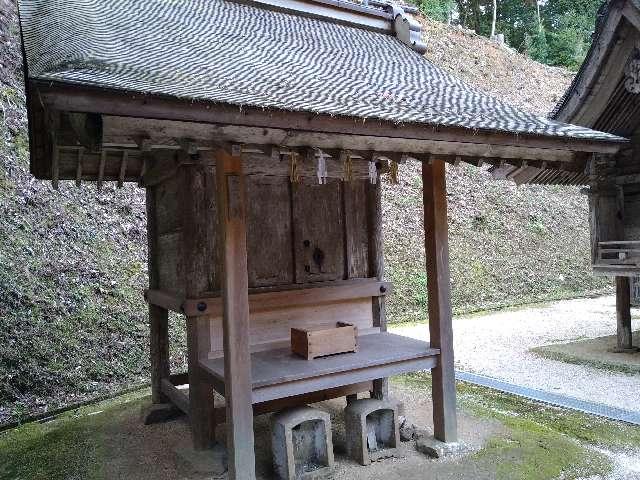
72	262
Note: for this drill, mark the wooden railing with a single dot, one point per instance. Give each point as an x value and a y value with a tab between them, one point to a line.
618	258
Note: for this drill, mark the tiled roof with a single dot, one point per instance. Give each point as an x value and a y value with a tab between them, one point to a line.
241	54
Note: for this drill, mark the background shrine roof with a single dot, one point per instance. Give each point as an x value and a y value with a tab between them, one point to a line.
247	55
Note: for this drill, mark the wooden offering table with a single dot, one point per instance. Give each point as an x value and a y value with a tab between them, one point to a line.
277	374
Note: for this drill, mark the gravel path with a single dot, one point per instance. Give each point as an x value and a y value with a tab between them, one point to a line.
497	345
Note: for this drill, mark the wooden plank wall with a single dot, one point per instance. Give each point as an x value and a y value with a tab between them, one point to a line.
297	233
632	215
605	218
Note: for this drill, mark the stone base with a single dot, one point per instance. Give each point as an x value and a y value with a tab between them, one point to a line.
372	430
208	462
160	413
301	444
410	431
433	448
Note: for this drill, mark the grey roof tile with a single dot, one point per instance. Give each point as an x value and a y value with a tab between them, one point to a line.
227	52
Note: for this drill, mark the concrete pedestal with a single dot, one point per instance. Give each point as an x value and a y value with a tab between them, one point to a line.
372	430
301	444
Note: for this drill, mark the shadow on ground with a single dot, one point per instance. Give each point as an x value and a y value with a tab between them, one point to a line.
508	438
594	352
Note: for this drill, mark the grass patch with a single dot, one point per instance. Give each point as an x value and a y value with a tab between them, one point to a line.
68	448
567	357
543	442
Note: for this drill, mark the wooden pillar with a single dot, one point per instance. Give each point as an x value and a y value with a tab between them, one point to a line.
439	290
235	295
158	317
623	313
376	270
196	277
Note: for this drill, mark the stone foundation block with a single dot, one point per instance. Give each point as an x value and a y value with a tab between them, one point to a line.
372	429
433	448
212	461
301	444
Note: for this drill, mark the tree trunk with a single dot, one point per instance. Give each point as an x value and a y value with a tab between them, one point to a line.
495	17
475	6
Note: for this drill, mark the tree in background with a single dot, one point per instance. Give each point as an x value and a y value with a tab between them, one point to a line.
437	9
570	25
556	32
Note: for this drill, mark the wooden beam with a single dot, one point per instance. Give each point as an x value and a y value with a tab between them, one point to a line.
623	314
79	167
439	290
376	270
175	395
103	159
311	295
158	315
304	399
120	132
123	168
196	273
164	167
87	99
87	129
281	297
237	359
55	166
166	300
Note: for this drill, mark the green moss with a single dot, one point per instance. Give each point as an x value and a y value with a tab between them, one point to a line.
69	447
530	452
576	360
409	299
485	402
543	442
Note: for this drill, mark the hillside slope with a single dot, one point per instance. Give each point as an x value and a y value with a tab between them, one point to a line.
72	262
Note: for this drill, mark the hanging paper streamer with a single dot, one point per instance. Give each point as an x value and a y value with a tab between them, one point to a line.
373	172
294	174
393	173
348	167
322	166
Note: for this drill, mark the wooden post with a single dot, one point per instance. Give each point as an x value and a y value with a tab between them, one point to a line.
235	295
196	275
623	313
439	289
158	317
376	270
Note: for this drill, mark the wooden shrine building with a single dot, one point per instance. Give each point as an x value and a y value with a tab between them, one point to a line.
605	96
260	130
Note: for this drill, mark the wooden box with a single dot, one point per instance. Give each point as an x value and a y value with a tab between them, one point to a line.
322	341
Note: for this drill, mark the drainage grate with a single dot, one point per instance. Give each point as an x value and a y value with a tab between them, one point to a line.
592	408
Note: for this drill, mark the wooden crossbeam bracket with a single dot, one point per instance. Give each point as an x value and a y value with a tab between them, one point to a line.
211	304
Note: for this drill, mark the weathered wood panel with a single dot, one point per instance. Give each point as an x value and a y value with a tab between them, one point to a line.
605	218
168	200
269	236
356	232
232	209
632	217
439	292
318	232
170	266
196	246
158	316
272	328
376	269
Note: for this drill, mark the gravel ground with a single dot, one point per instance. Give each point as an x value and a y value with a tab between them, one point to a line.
498	344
